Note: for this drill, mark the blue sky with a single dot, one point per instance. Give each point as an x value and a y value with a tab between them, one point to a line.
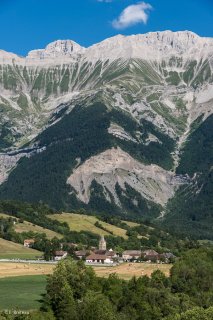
32	24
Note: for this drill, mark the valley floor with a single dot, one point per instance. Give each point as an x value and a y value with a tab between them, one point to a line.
23	284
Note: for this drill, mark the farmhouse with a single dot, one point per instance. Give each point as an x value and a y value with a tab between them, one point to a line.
81	254
151	255
131	255
109	253
28	243
59	255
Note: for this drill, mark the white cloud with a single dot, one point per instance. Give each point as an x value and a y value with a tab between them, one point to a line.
132	15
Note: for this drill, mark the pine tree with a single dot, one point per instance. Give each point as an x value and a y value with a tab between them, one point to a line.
66	307
97	307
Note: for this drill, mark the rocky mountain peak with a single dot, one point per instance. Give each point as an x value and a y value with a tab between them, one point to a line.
57	49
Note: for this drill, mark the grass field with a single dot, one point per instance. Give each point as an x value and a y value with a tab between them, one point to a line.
11	250
127	270
24	293
27	226
131	224
80	222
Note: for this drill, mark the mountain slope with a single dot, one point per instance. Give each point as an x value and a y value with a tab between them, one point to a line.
111	128
191	210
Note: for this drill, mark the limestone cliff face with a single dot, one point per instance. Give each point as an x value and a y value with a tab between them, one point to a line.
114	166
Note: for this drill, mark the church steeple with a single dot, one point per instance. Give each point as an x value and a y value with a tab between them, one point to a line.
102	243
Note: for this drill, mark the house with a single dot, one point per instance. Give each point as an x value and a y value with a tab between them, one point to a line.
28	243
112	254
131	255
109	253
150	252
59	255
151	255
81	254
99	258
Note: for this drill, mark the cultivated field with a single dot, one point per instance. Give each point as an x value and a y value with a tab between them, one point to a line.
13	269
80	222
28	226
24	293
11	250
127	270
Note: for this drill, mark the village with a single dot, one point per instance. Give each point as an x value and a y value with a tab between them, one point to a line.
103	256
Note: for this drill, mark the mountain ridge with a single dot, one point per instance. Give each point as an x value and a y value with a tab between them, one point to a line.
179	41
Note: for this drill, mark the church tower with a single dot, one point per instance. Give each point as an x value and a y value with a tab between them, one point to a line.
102	243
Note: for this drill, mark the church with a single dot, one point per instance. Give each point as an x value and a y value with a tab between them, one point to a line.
102	243
102	255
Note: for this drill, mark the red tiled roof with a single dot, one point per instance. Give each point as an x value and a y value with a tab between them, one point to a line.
29	241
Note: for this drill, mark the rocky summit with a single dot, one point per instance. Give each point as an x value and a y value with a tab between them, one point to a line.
122	127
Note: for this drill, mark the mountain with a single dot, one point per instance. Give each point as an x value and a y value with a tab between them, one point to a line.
122	127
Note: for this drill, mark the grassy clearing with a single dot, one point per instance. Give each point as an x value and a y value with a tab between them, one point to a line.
210	242
28	226
131	224
24	293
127	270
11	250
80	222
14	269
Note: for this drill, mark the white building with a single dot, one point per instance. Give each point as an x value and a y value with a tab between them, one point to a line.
99	258
28	243
59	255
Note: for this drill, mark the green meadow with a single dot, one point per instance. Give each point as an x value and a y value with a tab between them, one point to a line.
22	293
